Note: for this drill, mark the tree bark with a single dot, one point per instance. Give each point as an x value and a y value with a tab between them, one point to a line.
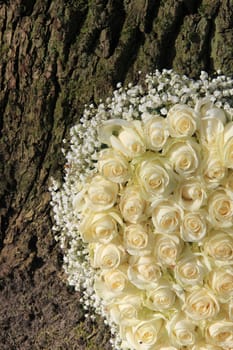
55	57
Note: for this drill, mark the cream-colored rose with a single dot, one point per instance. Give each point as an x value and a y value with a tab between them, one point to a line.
106	256
136	239
101	194
215	112
220	207
214	171
182	121
189	271
132	205
156	133
115	280
202	106
201	304
143	271
219	246
211	133
193	227
111	127
144	334
155	178
230	310
184	155
228	181
100	227
206	109
130	140
181	331
167	249
191	194
204	346
228	145
125	309
111	283
166	216
220	333
165	345
221	282
160	298
113	166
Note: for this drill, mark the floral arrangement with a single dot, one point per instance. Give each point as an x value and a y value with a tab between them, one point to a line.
145	213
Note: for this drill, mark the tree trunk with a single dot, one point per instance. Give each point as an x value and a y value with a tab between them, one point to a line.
56	56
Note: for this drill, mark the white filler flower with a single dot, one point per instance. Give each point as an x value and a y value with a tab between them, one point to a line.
145	213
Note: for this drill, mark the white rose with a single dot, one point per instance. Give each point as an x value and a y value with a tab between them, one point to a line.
211	132
206	109
204	346
220	333
215	112
125	137
136	239
106	256
202	106
228	145
166	216
143	271
193	227
125	309
101	193
220	207
167	249
189	271
113	166
132	205
214	170
181	331
184	155
182	121
111	127
219	246
191	194
221	282
115	280
230	310
100	227
228	181
165	345
156	133
160	298
201	304
110	284
155	178
144	334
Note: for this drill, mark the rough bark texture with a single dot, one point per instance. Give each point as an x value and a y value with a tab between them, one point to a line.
55	56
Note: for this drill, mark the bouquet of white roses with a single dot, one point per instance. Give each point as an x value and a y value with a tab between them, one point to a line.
145	214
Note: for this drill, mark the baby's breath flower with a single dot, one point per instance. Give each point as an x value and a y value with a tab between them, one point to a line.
144	215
